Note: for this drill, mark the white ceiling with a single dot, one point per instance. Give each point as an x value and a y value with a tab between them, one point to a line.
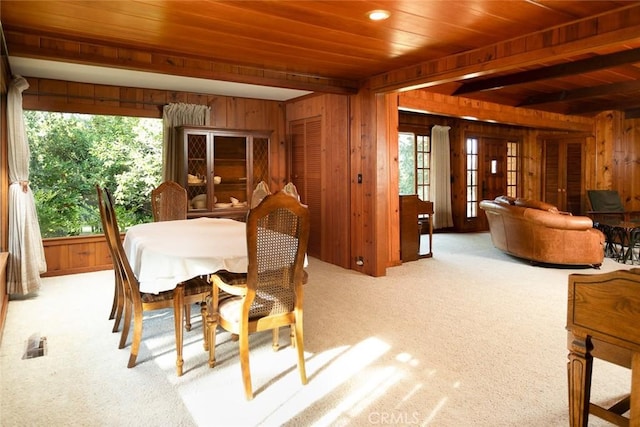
29	67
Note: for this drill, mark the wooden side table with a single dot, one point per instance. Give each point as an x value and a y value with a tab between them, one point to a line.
413	212
603	314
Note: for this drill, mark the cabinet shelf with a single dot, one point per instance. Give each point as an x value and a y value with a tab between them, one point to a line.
232	182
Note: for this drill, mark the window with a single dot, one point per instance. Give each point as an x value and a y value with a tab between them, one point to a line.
512	169
70	153
472	177
414	158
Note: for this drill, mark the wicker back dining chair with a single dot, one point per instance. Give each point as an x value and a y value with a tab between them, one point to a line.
169	202
271	296
193	291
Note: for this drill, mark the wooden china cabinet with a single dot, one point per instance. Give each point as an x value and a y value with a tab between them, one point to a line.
221	168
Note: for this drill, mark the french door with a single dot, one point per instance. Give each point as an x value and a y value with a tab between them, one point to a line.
492	171
563	181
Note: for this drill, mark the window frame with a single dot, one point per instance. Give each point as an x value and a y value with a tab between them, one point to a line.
421	169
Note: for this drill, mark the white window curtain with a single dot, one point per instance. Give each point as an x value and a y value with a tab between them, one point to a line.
26	253
174	115
441	172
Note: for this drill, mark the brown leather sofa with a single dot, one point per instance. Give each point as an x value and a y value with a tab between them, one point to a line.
539	232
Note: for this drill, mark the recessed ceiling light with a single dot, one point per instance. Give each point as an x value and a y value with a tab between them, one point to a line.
378	15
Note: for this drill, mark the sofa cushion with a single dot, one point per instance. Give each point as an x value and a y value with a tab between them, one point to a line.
536	204
507	200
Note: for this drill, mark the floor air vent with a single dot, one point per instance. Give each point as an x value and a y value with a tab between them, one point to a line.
36	347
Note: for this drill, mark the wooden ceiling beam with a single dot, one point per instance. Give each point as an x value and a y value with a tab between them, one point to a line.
582	93
585	36
458	106
554	71
91	52
595	107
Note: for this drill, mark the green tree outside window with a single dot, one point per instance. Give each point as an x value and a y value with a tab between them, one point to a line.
71	153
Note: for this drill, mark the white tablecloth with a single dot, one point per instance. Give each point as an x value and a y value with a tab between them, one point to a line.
163	254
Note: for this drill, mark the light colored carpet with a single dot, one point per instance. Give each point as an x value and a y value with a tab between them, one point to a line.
469	337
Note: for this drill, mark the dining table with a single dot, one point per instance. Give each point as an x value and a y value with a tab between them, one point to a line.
165	254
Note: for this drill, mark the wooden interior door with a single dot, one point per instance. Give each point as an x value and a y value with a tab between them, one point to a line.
492	173
494	167
305	173
563	178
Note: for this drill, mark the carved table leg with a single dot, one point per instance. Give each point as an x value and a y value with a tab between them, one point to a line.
178	307
579	369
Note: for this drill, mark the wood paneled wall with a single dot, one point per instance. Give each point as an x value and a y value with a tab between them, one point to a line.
70	255
615	157
79	254
5	75
334	152
460	129
226	112
4	162
612	149
360	135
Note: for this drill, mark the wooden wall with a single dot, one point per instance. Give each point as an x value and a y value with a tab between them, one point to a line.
80	254
361	139
531	152
615	157
226	112
334	197
5	75
612	143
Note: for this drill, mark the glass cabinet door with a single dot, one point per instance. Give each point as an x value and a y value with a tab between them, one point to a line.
197	164
260	161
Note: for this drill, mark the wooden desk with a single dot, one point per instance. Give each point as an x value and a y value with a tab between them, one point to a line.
413	212
603	314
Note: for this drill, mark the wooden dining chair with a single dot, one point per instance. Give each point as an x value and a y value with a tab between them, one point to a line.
169	202
118	293
193	291
272	294
259	193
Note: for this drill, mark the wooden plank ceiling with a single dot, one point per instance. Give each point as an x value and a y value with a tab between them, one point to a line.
331	46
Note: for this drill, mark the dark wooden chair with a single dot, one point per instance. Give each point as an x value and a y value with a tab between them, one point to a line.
606	206
271	293
136	302
617	224
169	202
